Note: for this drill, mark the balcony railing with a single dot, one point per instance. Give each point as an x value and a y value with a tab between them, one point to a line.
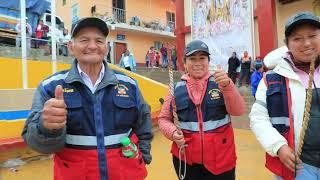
116	15
119	15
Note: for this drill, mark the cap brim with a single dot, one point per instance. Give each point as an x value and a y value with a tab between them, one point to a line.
300	22
191	52
90	22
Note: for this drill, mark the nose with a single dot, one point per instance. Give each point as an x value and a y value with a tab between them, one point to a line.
92	44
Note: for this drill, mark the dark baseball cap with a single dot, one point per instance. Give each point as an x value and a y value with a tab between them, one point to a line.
195	46
299	19
89	22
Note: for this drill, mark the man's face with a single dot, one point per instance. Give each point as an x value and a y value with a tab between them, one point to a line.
88	46
197	64
304	43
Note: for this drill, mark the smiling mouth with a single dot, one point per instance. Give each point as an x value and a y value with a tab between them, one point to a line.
308	51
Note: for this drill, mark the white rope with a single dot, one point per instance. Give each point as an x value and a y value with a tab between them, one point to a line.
176	119
182	151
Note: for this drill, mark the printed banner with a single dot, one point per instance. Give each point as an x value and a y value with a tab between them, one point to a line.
225	25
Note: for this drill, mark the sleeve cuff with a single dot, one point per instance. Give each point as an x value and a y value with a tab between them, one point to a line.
229	87
276	148
49	133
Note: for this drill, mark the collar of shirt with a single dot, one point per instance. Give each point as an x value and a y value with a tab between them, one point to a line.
196	87
304	77
87	81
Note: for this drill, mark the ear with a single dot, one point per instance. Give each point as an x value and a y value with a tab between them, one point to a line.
70	47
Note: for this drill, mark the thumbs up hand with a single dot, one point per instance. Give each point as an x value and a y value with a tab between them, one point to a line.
221	77
54	113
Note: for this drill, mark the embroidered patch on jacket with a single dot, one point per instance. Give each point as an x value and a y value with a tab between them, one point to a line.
68	90
214	94
122	90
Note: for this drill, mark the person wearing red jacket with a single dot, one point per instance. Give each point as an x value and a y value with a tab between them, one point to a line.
204	103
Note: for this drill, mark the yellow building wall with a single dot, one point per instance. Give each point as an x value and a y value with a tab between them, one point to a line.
10	73
145	9
37	71
284	11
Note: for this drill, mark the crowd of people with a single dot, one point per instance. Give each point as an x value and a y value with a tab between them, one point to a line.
39	38
250	70
153	56
81	114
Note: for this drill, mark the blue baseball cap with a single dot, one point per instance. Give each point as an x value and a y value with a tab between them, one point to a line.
299	19
195	46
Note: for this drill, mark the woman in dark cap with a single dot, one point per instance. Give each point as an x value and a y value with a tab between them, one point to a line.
203	103
282	99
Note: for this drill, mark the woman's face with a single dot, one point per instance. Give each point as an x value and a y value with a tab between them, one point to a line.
304	43
197	64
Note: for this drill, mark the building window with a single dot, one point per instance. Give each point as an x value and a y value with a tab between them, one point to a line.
157	45
64	2
171	20
75	13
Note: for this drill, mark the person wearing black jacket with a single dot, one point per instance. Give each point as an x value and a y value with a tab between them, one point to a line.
233	64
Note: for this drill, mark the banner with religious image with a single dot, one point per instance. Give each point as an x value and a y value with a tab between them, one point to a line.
225	25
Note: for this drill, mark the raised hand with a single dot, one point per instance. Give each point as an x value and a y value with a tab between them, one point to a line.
54	113
220	77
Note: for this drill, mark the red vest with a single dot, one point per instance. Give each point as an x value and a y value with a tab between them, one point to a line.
274	82
207	130
79	164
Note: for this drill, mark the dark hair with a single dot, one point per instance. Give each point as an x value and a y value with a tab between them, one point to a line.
185	58
258	66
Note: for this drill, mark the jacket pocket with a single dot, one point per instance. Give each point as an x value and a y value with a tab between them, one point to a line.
75	112
215	109
67	170
125	112
219	150
182	109
132	168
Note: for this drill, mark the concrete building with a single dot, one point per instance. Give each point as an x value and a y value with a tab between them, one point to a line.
136	25
270	17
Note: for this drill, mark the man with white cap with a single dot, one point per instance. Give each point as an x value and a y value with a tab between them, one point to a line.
82	114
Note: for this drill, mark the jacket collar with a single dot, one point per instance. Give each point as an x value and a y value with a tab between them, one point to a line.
286	67
108	78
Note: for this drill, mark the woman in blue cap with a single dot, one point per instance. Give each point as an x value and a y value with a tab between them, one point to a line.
204	103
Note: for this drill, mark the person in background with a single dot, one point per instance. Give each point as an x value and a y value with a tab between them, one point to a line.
233	64
174	57
258	60
127	61
164	56
277	116
245	69
147	59
64	40
28	34
39	34
151	56
157	59
255	79
81	114
204	103
108	52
